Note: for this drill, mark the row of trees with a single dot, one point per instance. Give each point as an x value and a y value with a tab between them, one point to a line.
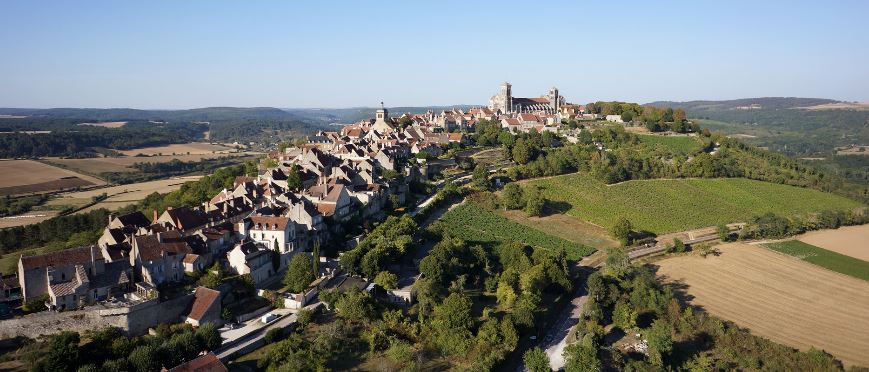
108	349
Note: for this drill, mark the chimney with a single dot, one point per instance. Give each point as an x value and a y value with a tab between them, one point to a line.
110	218
155	216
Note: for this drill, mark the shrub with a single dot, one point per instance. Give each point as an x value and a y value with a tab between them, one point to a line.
273	335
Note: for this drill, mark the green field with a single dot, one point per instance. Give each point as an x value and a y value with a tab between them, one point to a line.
663	206
677	144
827	259
479	225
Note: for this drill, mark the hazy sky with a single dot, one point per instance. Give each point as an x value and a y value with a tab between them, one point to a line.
184	54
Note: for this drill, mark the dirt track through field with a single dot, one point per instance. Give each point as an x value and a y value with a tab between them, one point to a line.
850	240
779	297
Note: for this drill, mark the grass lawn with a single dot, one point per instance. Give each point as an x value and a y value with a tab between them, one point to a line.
827	259
663	206
479	225
678	144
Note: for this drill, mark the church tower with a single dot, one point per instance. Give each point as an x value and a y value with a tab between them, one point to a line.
554	99
506	97
382	122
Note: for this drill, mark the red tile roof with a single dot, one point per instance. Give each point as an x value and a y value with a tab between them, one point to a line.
205	363
204	299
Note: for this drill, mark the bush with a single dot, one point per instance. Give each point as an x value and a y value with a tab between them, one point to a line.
273	335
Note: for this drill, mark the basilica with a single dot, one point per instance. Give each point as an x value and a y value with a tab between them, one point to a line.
507	104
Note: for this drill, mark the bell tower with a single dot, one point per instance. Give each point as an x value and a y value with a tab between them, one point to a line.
506	95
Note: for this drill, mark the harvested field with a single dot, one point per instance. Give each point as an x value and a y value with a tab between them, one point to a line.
849	240
124	164
194	148
778	297
27	218
565	227
28	176
108	124
123	195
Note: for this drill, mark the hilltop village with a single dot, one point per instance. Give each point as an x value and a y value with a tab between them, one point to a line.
287	209
414	221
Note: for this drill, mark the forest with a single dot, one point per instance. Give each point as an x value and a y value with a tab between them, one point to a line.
68	139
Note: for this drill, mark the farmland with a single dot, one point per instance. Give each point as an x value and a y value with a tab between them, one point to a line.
192	148
663	206
482	226
28	176
565	227
122	195
677	144
124	164
849	240
778	297
827	259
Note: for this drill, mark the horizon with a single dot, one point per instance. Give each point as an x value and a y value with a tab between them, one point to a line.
169	56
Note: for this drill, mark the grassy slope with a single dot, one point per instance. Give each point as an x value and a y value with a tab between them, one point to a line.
827	259
663	206
677	144
479	225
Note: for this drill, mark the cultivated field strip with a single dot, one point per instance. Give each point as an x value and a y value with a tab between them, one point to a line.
779	297
850	240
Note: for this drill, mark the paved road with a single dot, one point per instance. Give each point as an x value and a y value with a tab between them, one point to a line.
231	347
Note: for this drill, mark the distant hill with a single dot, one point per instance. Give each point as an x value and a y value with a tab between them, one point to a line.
198	114
744	104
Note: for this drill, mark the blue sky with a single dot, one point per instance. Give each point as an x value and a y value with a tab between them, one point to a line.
184	54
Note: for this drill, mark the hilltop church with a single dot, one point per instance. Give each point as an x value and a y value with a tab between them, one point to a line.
507	104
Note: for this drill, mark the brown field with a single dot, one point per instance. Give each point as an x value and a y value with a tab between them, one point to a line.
565	227
123	195
28	176
108	124
28	218
862	106
850	240
853	150
778	297
194	148
124	164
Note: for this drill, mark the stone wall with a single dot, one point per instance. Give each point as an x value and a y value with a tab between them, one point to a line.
135	319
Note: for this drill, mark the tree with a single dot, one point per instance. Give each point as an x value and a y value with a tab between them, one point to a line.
660	339
304	317
294	179
505	294
521	152
453	314
355	305
62	352
535	202
621	230
209	336
316	256
513	196
386	280
536	360
480	177
723	232
678	245
143	359
300	273
582	356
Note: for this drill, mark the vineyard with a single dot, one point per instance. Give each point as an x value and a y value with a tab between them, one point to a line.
482	226
675	144
662	206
